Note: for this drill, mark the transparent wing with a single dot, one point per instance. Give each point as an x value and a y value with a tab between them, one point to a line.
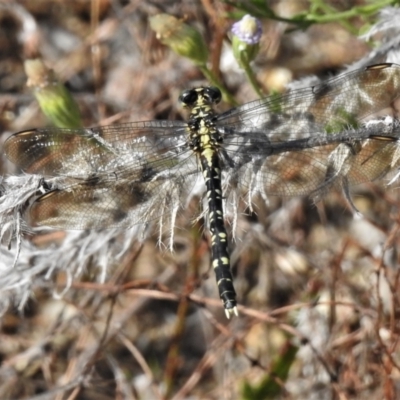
114	176
134	147
347	158
299	143
304	141
111	202
331	106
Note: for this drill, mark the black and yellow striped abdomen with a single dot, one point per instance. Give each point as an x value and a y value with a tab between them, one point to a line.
205	141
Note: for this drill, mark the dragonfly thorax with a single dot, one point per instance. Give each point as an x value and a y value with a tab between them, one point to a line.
203	134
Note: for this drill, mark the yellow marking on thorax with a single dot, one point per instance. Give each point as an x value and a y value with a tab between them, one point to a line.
205	133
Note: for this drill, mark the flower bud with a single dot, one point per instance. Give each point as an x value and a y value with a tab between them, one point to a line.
180	37
245	41
53	97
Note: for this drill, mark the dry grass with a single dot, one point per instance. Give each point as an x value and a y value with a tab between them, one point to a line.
318	289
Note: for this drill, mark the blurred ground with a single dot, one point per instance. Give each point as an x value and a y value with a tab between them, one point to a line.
310	278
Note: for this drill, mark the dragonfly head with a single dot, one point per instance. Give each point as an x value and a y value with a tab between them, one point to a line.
200	96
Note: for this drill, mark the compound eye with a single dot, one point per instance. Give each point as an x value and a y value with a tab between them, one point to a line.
188	97
213	94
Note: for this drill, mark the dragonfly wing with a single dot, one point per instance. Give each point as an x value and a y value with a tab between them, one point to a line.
309	139
115	201
317	167
332	106
112	176
84	152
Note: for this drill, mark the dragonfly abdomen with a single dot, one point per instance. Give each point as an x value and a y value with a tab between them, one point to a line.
209	160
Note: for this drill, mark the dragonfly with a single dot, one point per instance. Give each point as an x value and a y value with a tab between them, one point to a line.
340	132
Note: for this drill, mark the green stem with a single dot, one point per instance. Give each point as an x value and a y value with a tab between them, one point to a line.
227	97
353	12
252	79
